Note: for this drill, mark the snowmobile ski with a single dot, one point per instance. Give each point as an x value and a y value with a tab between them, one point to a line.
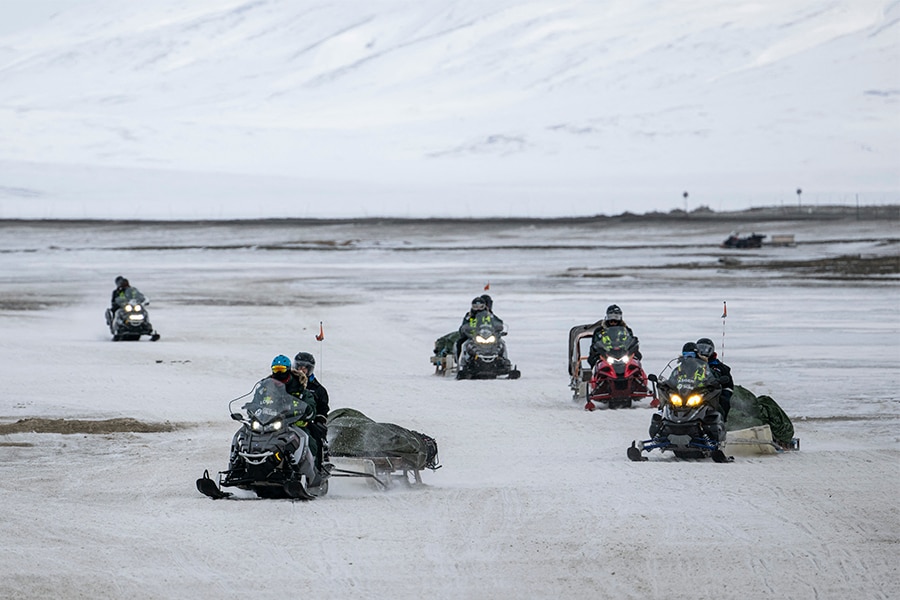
295	489
634	453
720	457
208	487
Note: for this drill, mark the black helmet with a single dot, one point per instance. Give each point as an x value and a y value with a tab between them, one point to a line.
613	312
120	281
478	303
305	359
689	349
488	301
705	347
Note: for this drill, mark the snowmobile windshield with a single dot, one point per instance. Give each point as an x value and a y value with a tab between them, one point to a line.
131	295
617	340
689	374
270	402
483	321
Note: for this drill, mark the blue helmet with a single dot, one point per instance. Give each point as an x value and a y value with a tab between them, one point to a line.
281	364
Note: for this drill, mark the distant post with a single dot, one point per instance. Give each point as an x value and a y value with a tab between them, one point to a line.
799	191
685	202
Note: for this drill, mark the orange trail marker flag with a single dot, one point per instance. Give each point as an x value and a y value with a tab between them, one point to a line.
321	335
724	310
487	286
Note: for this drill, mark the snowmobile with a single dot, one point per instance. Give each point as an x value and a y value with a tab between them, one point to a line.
733	240
130	320
618	377
483	354
269	455
689	423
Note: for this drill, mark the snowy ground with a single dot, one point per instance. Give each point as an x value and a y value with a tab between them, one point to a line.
536	498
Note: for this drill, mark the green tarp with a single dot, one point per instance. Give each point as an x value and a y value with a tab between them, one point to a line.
446	344
353	434
749	410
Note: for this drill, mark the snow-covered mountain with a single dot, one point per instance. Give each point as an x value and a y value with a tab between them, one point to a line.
251	108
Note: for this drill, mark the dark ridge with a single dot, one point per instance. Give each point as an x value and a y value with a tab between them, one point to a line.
701	214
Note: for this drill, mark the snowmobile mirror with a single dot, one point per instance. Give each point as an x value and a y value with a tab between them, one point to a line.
652	377
237	416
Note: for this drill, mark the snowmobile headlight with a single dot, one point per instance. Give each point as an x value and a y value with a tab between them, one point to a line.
695	400
127	308
256	425
676	400
624	359
485	340
138	308
276	425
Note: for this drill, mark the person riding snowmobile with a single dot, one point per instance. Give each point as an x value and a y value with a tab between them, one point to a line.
613	319
706	350
123	293
689	366
304	406
479	304
305	363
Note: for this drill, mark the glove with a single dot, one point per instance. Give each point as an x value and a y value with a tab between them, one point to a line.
318	430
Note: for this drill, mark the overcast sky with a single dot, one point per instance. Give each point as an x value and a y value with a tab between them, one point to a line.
229	108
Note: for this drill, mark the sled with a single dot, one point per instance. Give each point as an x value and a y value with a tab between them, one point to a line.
579	370
384	453
757	441
444	365
383	472
444	357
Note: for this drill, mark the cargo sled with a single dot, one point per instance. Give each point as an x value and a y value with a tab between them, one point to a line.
385	453
579	348
444	357
757	425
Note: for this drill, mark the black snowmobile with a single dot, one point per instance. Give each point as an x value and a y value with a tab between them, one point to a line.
130	320
689	423
754	240
483	353
268	455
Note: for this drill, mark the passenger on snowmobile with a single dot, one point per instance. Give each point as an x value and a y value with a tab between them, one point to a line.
613	319
305	363
706	350
295	383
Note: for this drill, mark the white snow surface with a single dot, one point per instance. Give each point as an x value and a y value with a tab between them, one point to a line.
536	498
259	108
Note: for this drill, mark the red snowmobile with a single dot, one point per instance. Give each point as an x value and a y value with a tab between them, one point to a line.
618	377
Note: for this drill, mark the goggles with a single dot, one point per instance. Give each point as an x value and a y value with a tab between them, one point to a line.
279	368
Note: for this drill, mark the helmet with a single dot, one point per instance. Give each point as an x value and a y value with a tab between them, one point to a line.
689	349
705	347
488	301
613	312
478	303
305	359
121	281
281	364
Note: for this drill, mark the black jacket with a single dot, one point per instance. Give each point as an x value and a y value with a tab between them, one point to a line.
321	394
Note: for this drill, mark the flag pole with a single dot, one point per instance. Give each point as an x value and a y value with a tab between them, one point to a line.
320	337
724	315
